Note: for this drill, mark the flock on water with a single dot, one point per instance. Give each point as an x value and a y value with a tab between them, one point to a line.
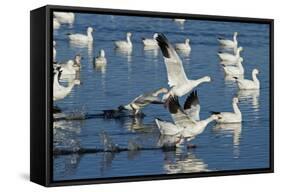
186	123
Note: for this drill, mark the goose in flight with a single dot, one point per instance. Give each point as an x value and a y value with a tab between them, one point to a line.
151	43
65	17
177	79
143	100
246	84
125	45
82	38
229	43
230	117
183	124
59	91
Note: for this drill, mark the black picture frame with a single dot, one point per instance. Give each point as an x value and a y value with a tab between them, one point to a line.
41	94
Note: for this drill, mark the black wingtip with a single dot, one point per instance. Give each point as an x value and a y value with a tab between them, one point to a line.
235	78
191	99
215	112
173	104
163	44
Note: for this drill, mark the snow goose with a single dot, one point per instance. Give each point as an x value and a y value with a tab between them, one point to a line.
81	38
100	60
54	52
230	57
150	43
180	21
72	66
183	46
56	23
230	117
177	79
183	125
235	70
59	91
246	84
65	17
229	43
143	100
124	45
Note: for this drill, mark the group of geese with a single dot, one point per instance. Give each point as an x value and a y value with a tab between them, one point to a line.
186	123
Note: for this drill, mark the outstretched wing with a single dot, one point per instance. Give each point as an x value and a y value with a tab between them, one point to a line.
175	70
192	106
180	118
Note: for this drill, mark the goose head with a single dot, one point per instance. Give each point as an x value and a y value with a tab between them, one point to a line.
187	41
102	53
235	34
90	30
206	79
240	49
155	35
54	43
235	100
255	72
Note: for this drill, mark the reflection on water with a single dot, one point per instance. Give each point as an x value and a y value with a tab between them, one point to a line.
135	143
175	162
250	96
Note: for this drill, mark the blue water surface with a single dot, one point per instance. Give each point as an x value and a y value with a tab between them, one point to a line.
127	75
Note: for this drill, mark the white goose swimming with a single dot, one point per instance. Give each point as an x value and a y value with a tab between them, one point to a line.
183	125
183	46
246	84
59	91
81	38
143	100
177	79
72	66
235	70
125	45
56	23
54	52
230	117
229	43
230	57
100	59
65	17
152	43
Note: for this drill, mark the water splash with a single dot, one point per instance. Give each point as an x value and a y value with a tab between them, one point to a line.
107	142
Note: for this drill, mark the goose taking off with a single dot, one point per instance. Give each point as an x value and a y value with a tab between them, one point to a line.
126	45
246	84
100	59
59	91
65	17
235	70
82	38
143	100
229	43
183	125
228	57
177	79
183	46
230	117
152	43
